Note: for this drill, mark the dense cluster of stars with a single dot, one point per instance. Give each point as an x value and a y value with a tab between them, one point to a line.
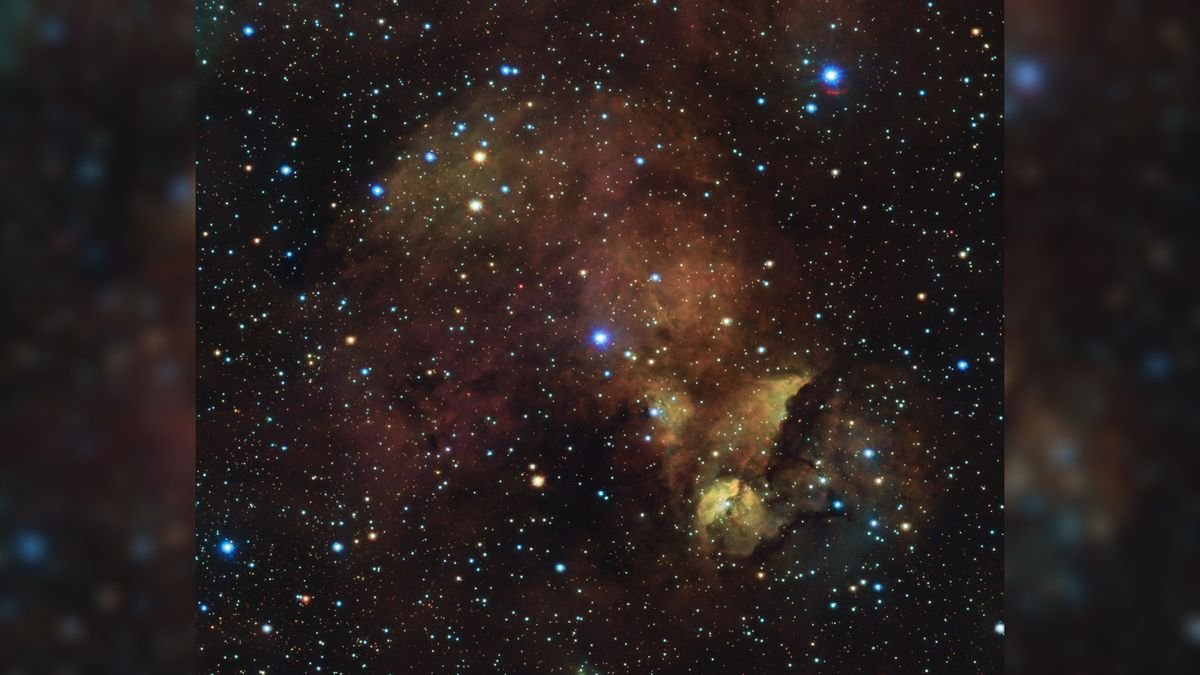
661	337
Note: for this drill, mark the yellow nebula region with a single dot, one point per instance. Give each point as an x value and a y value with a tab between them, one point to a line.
763	407
731	517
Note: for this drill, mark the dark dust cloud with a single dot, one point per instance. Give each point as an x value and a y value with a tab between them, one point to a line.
653	337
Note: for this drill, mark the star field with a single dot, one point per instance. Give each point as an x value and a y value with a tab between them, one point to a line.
648	337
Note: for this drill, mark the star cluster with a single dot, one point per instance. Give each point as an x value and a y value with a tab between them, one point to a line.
599	338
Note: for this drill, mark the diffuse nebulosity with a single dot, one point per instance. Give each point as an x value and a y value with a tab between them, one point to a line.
568	338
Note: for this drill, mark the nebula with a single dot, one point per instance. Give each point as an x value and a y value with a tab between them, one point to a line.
602	339
731	517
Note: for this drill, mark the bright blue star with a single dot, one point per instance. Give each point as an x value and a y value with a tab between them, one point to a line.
338	547
560	568
837	504
810	108
228	547
504	189
831	75
377	190
31	547
430	157
247	30
600	338
507	70
962	364
285	170
655	277
640	161
761	100
868	453
1028	75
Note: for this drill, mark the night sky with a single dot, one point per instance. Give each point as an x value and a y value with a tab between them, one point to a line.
590	337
